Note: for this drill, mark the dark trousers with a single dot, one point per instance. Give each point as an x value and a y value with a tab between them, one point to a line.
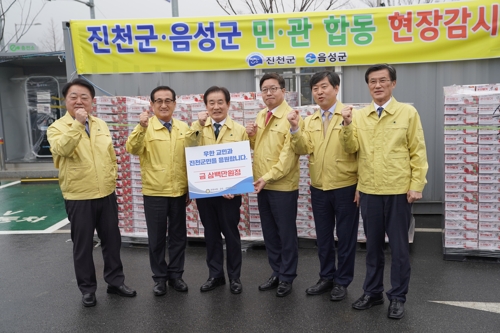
86	216
164	213
278	216
219	215
389	214
330	208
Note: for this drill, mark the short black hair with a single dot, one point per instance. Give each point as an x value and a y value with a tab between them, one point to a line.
162	88
214	89
333	78
275	76
78	82
379	67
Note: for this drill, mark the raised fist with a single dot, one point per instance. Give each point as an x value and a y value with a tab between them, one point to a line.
293	118
81	115
202	117
347	114
251	129
144	119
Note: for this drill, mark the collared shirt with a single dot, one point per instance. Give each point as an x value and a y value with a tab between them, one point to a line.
383	106
332	111
164	122
220	123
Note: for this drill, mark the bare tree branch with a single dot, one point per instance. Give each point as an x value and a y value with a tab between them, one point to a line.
283	6
223	7
53	38
26	20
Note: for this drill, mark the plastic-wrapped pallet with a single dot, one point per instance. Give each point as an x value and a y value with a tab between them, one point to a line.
472	171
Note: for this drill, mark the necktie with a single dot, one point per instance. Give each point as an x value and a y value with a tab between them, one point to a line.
379	111
269	114
87	129
217	130
168	126
326	122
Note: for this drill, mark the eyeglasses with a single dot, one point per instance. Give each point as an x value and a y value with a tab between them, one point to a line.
272	89
381	81
160	102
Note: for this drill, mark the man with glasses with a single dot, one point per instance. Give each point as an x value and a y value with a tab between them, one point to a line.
219	214
389	139
276	171
333	185
159	143
83	152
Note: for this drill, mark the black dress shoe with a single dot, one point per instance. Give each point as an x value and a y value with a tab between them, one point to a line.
284	289
213	283
89	300
366	302
122	290
160	288
396	309
338	293
235	286
272	283
178	284
320	287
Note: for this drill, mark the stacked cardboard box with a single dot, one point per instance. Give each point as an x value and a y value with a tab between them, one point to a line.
489	167
118	112
472	168
122	115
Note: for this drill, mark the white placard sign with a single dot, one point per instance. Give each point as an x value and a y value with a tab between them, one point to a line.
215	170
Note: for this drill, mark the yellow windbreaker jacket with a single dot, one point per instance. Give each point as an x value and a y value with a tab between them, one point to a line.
87	165
162	157
204	135
273	158
330	167
391	149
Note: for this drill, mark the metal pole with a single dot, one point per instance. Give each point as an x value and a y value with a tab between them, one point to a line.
175	9
2	158
2	43
92	7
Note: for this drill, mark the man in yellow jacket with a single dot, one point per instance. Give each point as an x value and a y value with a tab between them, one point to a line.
389	139
276	170
219	214
83	152
333	185
159	143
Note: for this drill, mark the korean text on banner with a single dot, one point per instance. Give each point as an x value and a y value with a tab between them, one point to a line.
404	34
215	170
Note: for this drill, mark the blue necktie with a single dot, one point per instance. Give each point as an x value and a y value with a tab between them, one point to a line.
168	126
379	111
217	130
87	129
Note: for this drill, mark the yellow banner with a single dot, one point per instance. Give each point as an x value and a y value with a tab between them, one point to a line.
424	33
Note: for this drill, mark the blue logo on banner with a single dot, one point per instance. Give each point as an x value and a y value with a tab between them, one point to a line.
255	59
310	58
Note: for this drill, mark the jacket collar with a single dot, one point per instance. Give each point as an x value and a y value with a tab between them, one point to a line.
157	125
281	110
390	108
228	122
337	111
